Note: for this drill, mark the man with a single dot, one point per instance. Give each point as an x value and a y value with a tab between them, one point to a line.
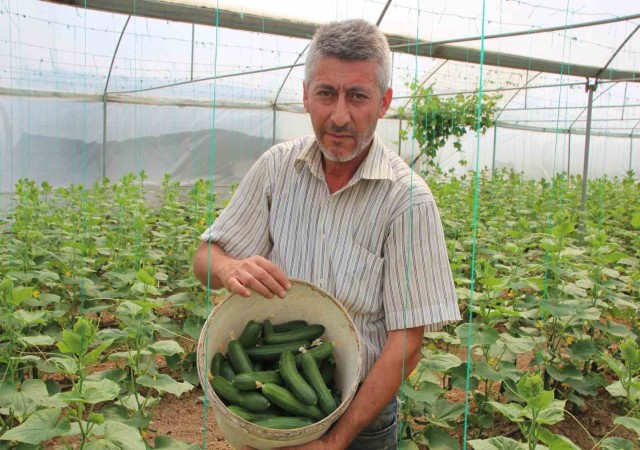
341	211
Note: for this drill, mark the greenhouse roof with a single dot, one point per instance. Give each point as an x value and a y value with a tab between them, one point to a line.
538	54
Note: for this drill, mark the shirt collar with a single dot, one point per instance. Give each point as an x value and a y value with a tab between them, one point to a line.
376	166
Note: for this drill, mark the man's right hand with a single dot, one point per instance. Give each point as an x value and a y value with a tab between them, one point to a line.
253	274
211	265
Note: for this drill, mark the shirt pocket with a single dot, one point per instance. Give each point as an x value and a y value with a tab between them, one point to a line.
358	275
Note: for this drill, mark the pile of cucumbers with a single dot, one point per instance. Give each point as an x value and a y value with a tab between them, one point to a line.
277	376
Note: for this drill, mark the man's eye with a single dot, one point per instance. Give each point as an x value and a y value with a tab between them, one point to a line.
358	96
323	93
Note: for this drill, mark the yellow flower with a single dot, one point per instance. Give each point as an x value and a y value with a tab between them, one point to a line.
67	274
511	293
492	361
36	293
539	323
569	340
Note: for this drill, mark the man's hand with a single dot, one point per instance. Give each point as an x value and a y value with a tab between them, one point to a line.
213	266
256	274
318	444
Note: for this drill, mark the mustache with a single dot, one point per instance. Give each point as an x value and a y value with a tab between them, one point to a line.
345	129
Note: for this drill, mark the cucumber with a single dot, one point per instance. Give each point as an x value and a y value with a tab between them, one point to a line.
226	370
310	367
308	333
289	326
248	415
283	423
251	401
250	334
272	352
267	328
287	401
216	363
337	395
239	358
247	381
327	369
294	381
319	352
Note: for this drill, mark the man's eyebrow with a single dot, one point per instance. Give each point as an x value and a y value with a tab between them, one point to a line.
325	86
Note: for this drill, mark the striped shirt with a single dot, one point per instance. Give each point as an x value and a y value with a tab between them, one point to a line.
359	243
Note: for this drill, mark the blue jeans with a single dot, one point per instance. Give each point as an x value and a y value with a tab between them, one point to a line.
381	433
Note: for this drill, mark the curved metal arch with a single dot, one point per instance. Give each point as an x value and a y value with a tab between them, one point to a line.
427	78
115	53
525	86
587	107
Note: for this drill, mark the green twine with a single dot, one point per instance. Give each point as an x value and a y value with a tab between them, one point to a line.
475	233
210	222
545	294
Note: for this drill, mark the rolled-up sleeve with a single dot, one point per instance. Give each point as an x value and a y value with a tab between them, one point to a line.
242	229
418	286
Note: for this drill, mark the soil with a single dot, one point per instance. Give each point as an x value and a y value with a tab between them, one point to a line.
183	419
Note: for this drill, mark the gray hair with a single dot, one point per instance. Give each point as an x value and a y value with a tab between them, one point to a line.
354	40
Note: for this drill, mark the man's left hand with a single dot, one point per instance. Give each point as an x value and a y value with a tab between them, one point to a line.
318	444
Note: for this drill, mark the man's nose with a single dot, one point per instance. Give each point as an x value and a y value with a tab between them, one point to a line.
341	116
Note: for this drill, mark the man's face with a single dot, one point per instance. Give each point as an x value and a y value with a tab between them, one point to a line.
344	101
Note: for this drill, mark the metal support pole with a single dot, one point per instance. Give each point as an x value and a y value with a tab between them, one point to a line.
495	139
631	154
273	132
590	88
193	40
399	137
104	136
569	157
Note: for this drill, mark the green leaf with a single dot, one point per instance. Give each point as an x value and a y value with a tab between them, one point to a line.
101	444
167	443
567	371
408	444
518	345
616	389
164	383
39	427
33	393
193	326
92	392
554	413
530	385
124	436
440	361
555	441
512	411
443	413
497	443
629	422
583	350
147	279
541	401
166	348
425	392
438	439
30	317
480	335
616	443
94	354
20	294
39	340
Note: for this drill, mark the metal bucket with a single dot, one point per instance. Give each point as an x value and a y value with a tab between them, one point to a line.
303	301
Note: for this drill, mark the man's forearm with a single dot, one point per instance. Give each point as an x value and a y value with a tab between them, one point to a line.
206	264
379	387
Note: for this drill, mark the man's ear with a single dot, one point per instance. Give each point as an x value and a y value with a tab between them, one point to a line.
305	97
386	102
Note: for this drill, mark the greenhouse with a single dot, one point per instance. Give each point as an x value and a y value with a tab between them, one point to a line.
126	126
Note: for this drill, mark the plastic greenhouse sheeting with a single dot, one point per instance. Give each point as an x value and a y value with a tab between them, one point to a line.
63	68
